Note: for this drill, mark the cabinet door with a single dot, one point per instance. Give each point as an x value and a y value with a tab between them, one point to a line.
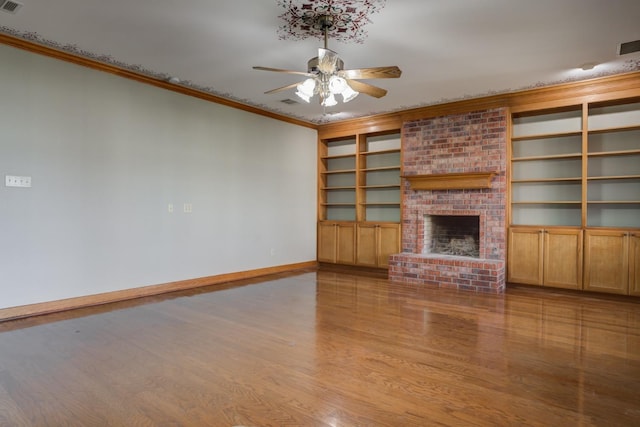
563	258
346	239
367	245
327	242
634	264
525	256
388	243
606	260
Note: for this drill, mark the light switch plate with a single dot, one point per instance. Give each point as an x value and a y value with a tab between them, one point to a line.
17	181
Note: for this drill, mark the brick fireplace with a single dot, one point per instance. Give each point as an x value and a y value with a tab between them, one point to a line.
448	154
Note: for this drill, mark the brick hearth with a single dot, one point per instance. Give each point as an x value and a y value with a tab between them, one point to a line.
464	143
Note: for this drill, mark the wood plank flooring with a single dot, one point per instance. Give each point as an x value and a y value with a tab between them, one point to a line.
327	349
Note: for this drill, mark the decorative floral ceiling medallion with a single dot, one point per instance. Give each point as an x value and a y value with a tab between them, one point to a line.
349	18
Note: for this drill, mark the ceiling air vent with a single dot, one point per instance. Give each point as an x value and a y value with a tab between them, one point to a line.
625	48
10	6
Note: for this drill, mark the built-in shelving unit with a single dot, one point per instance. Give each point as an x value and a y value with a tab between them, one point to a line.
338	180
613	165
546	168
359	198
575	172
379	178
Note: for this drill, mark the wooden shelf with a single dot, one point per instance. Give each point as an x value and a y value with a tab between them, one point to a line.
605	177
533	181
338	171
339	204
613	202
373	187
338	188
613	153
451	181
370	153
548	157
338	156
381	204
546	136
548	202
382	168
614	129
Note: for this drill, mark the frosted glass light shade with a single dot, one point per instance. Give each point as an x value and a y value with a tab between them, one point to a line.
348	94
306	89
337	84
329	101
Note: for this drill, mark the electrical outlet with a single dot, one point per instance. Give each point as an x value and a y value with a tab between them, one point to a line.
188	208
17	181
170	208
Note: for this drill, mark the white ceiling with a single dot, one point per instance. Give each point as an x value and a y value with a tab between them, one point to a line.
447	49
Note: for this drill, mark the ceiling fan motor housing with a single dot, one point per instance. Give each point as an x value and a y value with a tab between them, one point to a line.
312	65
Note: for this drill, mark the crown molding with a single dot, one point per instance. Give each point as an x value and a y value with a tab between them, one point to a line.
141	78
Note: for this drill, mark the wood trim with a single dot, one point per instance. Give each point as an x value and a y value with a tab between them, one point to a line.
509	194
145	291
598	89
585	164
381	123
111	69
451	181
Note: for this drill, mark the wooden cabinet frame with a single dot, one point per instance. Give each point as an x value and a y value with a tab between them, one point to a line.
375	242
359	185
545	257
575	165
337	242
606	258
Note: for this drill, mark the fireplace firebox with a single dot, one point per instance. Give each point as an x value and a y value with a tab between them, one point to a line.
457	235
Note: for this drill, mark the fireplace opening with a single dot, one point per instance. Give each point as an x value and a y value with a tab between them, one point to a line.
452	235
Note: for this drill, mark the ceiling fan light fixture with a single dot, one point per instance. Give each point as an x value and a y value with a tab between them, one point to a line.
329	100
304	97
306	89
326	76
348	94
337	85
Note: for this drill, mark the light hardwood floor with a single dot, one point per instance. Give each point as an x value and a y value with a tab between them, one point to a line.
327	349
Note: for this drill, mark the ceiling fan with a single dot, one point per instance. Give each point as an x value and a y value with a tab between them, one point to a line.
327	77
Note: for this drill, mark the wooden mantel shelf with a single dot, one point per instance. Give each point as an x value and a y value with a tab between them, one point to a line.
451	181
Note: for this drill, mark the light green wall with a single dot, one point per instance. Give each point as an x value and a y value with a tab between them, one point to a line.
108	155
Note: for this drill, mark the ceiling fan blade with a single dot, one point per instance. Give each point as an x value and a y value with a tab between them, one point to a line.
391	72
280	89
376	92
327	61
279	70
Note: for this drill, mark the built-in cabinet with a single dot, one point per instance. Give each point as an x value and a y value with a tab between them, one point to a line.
575	171
545	257
611	260
375	242
359	187
336	242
